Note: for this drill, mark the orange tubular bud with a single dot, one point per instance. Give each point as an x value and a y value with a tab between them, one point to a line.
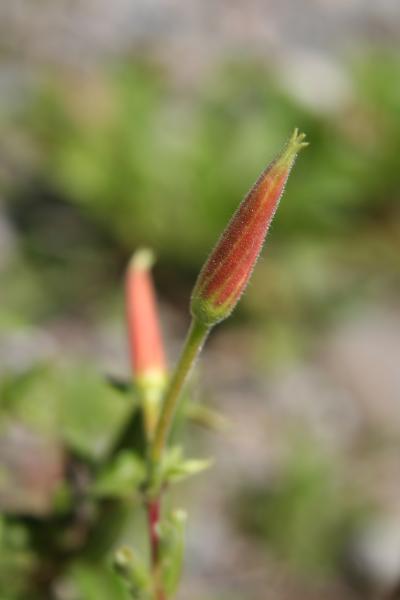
145	342
226	273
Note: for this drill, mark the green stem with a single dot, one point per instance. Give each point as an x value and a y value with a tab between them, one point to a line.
194	342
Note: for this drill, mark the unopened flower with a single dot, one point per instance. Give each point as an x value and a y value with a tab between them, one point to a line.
145	341
226	272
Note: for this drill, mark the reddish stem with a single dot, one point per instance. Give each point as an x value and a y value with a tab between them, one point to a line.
153	516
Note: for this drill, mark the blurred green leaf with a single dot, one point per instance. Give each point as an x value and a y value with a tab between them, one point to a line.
206	417
96	582
72	403
91	412
172	532
175	468
134	573
17	560
121	477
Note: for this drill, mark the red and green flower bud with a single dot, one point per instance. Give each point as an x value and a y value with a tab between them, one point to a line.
145	341
226	273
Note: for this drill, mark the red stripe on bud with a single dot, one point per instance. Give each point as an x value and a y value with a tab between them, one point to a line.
226	272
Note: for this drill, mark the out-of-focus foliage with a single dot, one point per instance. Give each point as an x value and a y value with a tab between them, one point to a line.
147	160
71	403
71	480
96	166
18	559
306	516
63	495
128	157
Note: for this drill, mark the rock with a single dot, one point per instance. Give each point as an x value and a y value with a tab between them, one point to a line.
31	471
374	556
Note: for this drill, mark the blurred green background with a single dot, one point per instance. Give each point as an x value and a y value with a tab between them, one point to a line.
146	126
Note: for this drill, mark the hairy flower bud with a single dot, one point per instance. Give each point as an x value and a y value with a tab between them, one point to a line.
227	270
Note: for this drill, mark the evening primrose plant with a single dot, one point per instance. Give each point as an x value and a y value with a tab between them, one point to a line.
219	286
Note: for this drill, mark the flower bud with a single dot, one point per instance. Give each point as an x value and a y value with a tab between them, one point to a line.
227	270
146	346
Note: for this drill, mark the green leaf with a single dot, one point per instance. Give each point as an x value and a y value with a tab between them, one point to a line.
31	398
206	417
175	468
92	413
17	560
172	532
122	477
74	404
97	583
133	572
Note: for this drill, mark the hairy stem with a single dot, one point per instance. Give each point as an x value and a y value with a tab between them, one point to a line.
194	342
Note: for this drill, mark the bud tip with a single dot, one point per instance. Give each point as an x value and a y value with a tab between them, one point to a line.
297	141
179	516
143	259
123	558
